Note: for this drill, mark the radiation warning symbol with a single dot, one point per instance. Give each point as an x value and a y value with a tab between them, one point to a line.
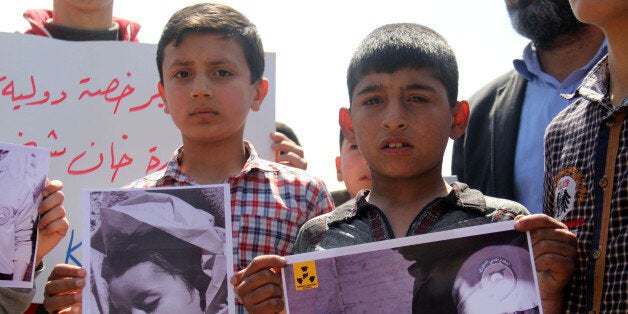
305	275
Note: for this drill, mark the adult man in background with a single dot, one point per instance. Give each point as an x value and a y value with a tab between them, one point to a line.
501	153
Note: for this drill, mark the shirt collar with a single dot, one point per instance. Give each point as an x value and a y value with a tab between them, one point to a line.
530	67
173	169
460	196
594	87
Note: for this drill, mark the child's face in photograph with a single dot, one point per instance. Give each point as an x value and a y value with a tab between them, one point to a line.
402	122
148	288
207	87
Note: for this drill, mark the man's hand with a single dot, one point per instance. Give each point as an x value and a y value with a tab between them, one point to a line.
63	289
555	251
53	224
258	286
287	152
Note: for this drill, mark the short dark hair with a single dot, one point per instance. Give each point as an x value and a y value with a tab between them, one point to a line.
216	19
395	46
287	131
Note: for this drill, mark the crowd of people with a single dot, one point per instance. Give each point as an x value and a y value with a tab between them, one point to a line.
543	145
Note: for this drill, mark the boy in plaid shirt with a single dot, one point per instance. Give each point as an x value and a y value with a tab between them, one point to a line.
210	61
586	168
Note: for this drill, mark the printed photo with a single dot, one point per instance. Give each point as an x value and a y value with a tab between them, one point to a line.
158	250
483	269
23	172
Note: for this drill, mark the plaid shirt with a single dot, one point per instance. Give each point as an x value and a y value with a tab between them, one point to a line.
269	203
577	176
358	221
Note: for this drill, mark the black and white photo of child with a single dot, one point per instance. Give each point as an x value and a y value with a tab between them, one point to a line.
153	251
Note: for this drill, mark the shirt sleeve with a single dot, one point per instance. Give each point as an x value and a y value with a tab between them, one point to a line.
323	201
14	300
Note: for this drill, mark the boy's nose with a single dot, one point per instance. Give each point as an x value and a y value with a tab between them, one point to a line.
394	119
201	89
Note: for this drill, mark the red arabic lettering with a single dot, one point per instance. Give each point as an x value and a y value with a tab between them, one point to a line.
113	86
55	153
42	101
64	95
124	161
128	90
53	134
154	161
31	143
10	90
84	171
148	103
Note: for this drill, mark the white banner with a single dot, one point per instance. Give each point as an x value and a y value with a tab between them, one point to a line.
96	106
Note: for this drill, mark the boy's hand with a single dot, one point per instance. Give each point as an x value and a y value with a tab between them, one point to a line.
258	286
53	225
287	152
555	252
63	289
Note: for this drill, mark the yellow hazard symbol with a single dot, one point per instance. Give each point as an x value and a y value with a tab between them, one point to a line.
305	275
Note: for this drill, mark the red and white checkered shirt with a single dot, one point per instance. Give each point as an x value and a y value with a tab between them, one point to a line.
586	171
269	203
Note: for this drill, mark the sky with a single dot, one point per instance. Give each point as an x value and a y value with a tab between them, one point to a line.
314	41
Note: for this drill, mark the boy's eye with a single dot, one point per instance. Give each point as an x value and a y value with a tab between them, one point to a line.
372	101
353	147
417	99
181	74
223	73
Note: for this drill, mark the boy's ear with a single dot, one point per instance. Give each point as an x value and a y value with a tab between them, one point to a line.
460	113
261	89
346	125
338	170
160	88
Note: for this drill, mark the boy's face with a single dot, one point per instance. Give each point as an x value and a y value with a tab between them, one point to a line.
402	122
207	87
352	168
602	13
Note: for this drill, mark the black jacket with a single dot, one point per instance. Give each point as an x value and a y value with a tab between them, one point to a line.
484	157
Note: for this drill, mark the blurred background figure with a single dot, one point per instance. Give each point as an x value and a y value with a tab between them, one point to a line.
351	168
80	20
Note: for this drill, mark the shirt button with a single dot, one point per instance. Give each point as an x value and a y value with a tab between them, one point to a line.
597	253
603	182
610	122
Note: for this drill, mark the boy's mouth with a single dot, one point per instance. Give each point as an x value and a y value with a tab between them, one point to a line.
397	143
204	112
